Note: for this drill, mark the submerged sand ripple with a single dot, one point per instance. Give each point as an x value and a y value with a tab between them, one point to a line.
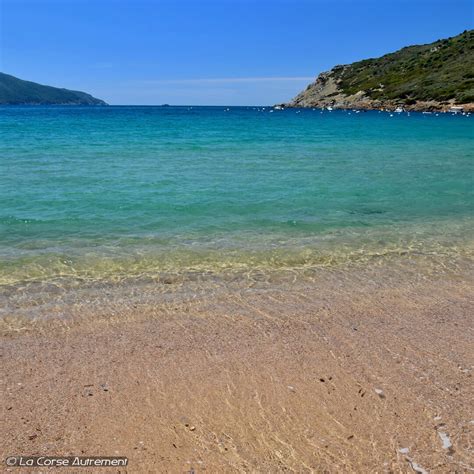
359	370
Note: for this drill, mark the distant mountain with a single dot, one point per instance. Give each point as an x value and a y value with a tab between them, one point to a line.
433	76
14	91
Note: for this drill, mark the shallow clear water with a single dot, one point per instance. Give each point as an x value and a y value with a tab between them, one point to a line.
115	192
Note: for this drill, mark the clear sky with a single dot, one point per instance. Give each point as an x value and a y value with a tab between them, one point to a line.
216	52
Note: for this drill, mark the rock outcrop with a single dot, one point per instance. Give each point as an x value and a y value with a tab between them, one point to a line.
436	76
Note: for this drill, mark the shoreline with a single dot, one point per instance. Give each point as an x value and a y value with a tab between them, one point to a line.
53	303
378	106
359	368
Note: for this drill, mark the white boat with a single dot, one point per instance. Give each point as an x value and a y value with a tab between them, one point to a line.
399	110
455	109
329	108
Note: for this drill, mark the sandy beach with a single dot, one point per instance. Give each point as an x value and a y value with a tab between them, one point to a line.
359	369
236	237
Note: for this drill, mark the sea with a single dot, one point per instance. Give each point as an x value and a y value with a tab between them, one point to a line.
106	194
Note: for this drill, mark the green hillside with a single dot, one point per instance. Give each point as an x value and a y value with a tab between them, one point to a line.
439	71
14	91
432	76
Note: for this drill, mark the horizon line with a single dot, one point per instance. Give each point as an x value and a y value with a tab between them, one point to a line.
224	80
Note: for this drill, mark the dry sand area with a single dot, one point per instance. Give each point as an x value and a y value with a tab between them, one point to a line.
346	370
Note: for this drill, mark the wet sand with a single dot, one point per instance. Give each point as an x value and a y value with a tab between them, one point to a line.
350	370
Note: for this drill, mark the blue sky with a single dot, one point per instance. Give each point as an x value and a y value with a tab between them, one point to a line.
216	52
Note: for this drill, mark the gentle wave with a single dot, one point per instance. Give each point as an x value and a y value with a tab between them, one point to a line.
249	253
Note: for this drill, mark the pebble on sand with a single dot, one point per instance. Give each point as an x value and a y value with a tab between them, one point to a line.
380	393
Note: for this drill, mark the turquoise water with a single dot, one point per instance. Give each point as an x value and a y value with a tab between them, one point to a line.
127	191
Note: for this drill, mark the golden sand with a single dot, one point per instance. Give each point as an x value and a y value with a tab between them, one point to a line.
351	370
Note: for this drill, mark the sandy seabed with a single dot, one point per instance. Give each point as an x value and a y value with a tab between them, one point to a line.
355	369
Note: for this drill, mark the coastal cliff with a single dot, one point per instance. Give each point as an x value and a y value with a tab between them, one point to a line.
434	76
14	91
